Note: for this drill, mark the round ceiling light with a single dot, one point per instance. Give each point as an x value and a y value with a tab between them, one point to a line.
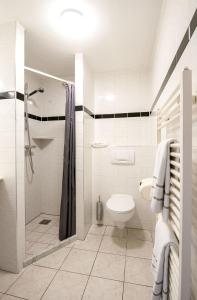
74	23
72	18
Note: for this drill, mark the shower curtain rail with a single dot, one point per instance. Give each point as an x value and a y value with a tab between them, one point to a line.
48	75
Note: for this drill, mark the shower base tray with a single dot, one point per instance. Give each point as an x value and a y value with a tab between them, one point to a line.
53	248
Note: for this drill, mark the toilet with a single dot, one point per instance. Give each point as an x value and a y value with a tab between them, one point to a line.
121	208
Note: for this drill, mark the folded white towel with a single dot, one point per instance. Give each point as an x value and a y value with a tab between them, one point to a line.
161	180
164	240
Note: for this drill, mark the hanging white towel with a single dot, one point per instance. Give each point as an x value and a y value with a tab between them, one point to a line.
164	240
161	180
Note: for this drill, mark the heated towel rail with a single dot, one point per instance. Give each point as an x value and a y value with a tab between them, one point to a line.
174	120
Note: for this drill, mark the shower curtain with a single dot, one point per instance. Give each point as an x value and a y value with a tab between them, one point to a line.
67	225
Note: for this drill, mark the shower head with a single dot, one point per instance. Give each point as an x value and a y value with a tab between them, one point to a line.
40	90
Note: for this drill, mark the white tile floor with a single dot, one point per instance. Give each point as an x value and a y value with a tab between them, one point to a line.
41	237
109	265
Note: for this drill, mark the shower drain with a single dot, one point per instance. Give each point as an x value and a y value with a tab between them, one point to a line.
45	222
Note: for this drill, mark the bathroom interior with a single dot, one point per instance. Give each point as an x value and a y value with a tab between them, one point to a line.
98	149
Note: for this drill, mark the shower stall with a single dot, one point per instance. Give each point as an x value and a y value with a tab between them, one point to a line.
44	104
32	154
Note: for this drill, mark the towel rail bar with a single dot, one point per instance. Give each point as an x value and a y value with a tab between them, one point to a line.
175	173
175	145
173	109
175	192
175	154
165	123
174	209
175	163
175	219
175	201
175	182
174	227
172	286
171	99
173	272
175	255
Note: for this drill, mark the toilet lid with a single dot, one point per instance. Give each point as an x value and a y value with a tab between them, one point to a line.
121	203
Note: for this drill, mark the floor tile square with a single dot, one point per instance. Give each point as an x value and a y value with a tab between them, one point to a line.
49	239
116	232
139	234
33	236
139	248
31	226
28	245
138	271
37	248
113	245
32	283
79	261
6	280
54	229
97	229
109	266
42	228
67	286
91	242
137	292
105	289
53	260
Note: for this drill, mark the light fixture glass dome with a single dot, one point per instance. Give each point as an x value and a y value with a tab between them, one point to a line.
72	18
74	23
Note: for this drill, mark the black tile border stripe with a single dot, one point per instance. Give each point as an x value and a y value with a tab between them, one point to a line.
11	95
78	107
185	40
43	119
19	96
98	116
112	116
7	95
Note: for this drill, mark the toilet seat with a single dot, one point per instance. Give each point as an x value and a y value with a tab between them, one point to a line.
121	203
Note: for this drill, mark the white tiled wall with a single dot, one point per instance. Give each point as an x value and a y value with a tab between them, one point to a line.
114	179
122	91
88	180
11	149
43	191
84	136
129	92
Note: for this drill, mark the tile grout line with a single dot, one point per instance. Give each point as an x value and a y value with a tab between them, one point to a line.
125	264
126	256
15	297
102	236
14	281
139	284
57	270
49	283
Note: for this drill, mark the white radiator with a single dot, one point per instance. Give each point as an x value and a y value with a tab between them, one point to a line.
177	113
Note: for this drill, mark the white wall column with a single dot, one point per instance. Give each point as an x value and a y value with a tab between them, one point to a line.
12	236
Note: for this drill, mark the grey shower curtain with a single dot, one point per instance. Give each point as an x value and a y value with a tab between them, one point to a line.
67	225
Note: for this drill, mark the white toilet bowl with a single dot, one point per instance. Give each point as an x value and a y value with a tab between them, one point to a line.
121	208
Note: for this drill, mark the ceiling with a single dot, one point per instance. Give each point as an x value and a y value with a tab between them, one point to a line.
124	37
